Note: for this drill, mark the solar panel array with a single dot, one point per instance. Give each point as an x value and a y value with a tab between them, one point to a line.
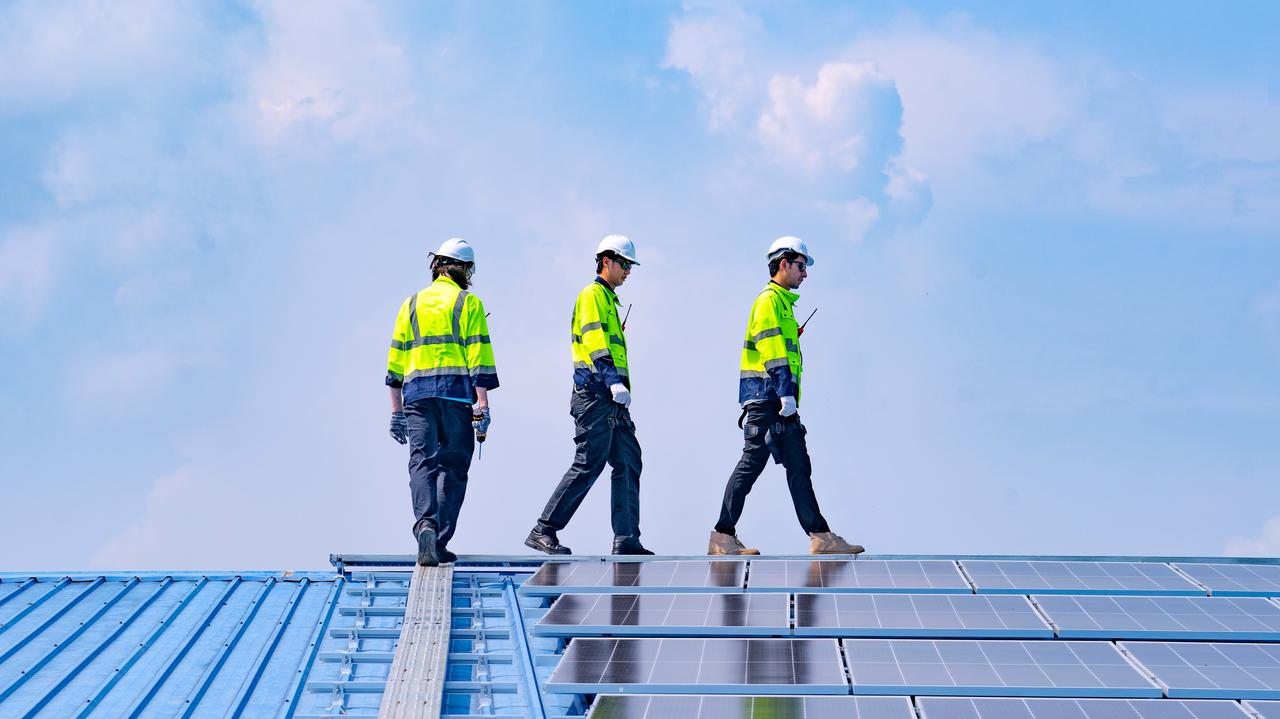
1128	617
1236	579
1019	708
667	614
560	577
1208	670
918	615
1017	577
866	575
1265	709
733	707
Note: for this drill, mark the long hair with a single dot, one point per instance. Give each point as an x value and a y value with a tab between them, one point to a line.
455	269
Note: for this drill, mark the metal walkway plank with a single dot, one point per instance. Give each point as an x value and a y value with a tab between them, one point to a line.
415	685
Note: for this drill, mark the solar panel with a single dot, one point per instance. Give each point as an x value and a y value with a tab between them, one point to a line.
863	575
700	666
1229	618
576	615
1018	708
1236	579
1266	710
1013	577
554	578
918	615
993	668
638	706
1211	670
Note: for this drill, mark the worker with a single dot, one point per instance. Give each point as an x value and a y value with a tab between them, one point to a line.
440	370
599	405
769	392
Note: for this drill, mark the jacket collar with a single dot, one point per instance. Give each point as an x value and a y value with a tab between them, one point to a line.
613	294
788	294
445	278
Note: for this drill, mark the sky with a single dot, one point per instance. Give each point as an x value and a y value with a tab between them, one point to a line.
1047	246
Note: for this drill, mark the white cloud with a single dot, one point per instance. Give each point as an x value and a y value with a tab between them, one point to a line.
330	66
715	48
1266	544
27	259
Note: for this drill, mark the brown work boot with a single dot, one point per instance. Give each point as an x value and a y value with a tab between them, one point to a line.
722	544
831	543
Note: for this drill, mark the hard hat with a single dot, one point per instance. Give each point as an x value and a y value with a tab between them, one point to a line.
620	246
457	249
791	244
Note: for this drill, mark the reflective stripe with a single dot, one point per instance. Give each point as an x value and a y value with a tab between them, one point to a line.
441	340
767	333
457	315
476	340
395	376
576	338
748	345
413	314
752	374
791	346
775	363
622	372
598	354
584	365
436	372
591	326
398	345
483	369
614	339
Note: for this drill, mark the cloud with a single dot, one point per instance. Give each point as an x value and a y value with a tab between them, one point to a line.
1266	544
27	260
714	48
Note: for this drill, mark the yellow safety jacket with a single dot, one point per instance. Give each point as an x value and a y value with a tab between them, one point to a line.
771	359
440	347
599	349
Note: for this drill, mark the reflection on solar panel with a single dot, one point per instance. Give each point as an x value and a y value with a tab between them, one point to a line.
1010	577
1014	708
1236	619
993	668
1208	670
1267	710
744	707
863	575
917	615
1236	579
576	615
700	666
554	578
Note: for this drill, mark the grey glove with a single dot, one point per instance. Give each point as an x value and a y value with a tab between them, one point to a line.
480	421
399	427
620	394
788	407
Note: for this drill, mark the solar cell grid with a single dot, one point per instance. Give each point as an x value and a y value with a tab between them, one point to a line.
1265	709
667	614
1129	617
1236	579
993	668
554	578
749	707
863	575
697	666
1019	708
1209	670
1018	577
919	615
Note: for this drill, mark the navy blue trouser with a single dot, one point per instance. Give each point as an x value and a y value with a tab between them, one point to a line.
604	432
440	445
764	426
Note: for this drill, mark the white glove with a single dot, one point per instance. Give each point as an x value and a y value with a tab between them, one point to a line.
788	406
621	395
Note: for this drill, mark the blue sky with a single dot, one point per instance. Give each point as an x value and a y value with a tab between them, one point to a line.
1048	267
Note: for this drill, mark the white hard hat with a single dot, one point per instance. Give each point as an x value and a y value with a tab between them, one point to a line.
620	246
457	249
791	244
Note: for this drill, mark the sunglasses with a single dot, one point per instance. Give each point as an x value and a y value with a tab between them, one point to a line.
624	264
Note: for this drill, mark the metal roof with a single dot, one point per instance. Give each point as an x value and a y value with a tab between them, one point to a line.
292	644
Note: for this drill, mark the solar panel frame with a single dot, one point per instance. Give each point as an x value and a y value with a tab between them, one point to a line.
880	576
1211	670
1076	577
677	615
661	576
1161	617
1076	708
993	668
699	666
1235	580
918	615
724	706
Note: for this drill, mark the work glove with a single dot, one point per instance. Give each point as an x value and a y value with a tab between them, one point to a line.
788	406
620	394
480	421
399	427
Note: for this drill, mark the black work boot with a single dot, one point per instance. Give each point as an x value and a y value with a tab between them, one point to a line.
446	557
545	542
427	556
629	545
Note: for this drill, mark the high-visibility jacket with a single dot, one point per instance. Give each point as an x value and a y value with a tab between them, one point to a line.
771	358
440	347
599	349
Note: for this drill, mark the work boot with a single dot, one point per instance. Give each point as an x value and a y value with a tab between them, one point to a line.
427	556
545	542
446	557
722	543
629	545
831	543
